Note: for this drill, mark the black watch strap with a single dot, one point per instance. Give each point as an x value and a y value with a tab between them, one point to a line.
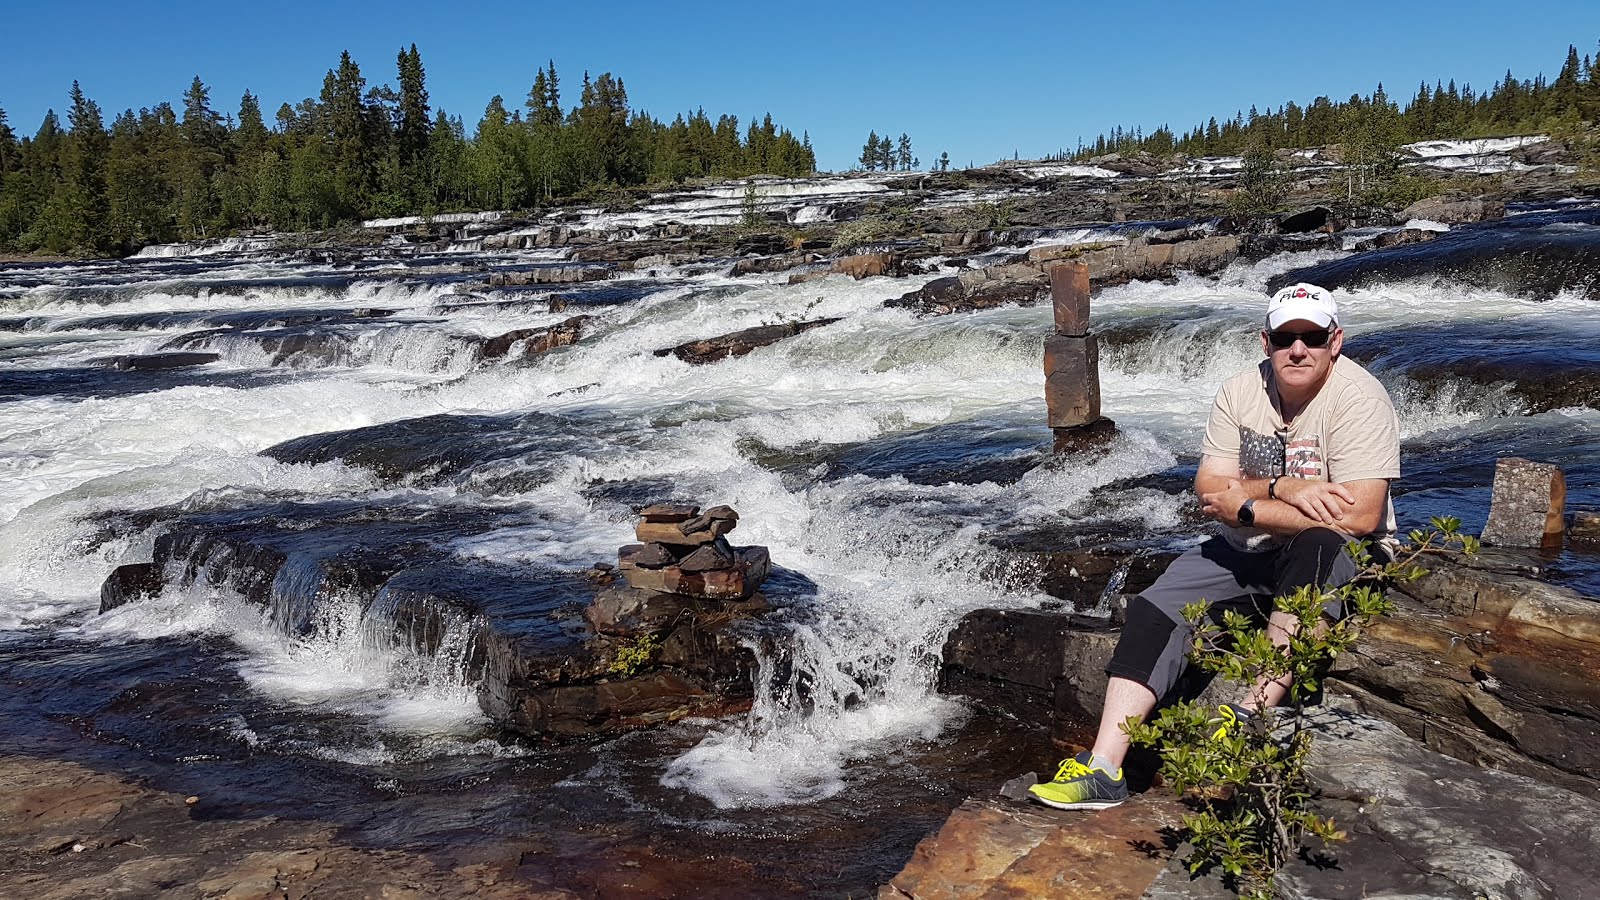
1272	487
1247	512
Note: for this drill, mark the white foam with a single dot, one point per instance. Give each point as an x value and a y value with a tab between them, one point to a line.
1473	147
1068	171
463	218
894	563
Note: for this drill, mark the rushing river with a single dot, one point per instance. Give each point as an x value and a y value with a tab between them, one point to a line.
877	457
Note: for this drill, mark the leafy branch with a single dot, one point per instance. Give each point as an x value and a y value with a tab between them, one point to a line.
1248	776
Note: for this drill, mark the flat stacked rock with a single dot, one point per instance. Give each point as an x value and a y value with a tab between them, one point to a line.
685	551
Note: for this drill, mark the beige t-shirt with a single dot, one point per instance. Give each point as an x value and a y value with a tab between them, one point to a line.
1348	432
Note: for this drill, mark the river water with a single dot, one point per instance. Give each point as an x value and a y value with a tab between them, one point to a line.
878	458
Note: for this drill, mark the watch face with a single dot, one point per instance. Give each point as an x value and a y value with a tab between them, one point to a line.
1247	513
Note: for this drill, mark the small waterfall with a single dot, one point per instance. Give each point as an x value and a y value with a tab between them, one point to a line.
1114	585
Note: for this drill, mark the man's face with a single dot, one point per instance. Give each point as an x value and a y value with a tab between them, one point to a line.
1299	367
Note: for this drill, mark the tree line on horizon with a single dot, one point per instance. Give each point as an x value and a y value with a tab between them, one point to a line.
1374	121
163	174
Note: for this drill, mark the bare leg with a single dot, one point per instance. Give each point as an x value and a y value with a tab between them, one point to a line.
1125	699
1267	692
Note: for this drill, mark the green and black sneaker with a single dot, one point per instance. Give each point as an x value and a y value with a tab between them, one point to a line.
1076	786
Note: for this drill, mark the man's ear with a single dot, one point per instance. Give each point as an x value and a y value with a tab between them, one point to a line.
1266	348
1338	340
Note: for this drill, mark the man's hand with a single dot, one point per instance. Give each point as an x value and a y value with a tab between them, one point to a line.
1224	505
1320	501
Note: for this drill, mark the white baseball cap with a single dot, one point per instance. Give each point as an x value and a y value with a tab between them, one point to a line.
1302	301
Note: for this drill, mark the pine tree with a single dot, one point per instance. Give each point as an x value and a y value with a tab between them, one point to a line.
411	137
251	135
903	153
81	200
869	152
9	151
944	160
347	132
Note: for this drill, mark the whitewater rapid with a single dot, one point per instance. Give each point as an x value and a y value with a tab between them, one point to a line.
861	416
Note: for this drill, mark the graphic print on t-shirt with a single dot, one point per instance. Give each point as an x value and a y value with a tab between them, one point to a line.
1260	455
1266	455
1303	458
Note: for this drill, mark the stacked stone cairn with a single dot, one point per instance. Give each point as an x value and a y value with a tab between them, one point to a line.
685	551
1072	365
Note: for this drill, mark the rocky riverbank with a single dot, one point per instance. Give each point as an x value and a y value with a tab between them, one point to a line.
435	438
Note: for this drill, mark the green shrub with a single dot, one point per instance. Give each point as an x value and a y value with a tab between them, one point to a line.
1250	781
635	655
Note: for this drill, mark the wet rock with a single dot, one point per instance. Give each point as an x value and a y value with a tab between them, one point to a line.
766	264
125	584
1006	848
739	343
974	290
668	512
424	450
1400	238
1528	505
545	661
627	611
548	275
734	582
763	243
1072	380
1585	529
148	362
1453	212
1094	435
67	831
688	533
1069	298
528	341
1428	809
868	265
1315	218
648	556
716	555
1531	255
576	710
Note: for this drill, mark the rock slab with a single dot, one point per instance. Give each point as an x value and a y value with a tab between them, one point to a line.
1527	508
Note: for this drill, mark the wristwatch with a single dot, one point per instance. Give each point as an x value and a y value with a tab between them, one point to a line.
1247	512
1272	487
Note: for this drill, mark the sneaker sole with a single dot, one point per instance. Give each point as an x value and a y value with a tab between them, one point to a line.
1087	804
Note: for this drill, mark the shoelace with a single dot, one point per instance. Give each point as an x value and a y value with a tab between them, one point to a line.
1071	768
1228	717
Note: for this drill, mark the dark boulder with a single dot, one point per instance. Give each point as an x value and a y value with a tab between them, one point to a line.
710	350
1316	218
125	584
149	362
757	265
528	341
1529	255
1453	212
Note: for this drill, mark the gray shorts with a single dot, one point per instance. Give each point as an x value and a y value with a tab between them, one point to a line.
1155	639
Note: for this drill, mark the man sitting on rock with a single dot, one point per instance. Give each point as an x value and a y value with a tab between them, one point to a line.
1297	459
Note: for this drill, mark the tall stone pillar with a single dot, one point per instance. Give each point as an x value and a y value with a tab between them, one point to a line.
1072	363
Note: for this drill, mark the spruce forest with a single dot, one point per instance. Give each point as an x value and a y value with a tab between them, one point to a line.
163	174
1375	122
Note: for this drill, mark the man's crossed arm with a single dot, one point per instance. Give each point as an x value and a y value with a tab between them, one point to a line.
1356	508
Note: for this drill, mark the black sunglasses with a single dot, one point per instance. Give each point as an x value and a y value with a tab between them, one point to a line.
1283	339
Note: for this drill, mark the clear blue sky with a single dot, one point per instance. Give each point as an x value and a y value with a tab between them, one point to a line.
978	80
